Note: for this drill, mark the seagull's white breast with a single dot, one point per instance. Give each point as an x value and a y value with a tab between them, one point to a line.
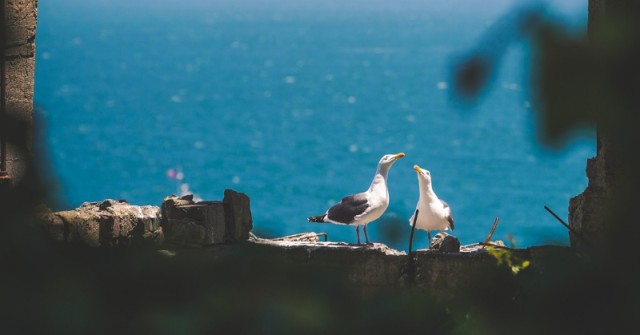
377	200
431	216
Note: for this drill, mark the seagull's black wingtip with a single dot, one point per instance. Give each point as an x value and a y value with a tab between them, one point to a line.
319	218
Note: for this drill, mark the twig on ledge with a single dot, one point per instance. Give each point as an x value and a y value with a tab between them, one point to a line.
493	229
485	244
301	237
495	245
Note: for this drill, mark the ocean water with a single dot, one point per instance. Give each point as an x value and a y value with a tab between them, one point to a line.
294	103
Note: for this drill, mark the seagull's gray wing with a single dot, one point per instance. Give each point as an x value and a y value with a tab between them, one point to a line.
348	208
449	216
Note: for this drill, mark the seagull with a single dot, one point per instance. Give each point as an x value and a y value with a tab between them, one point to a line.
434	213
362	208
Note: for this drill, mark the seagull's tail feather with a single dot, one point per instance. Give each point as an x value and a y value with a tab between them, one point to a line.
319	218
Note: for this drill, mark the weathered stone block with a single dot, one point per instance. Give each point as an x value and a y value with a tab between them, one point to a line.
19	64
214	222
20	16
587	211
171	208
52	224
16	71
106	223
445	243
184	232
210	215
237	209
365	266
81	226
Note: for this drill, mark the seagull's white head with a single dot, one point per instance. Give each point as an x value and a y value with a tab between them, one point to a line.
423	174
388	160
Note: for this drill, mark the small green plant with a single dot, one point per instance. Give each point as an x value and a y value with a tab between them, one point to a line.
508	258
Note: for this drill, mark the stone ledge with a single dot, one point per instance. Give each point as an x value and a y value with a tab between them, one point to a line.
183	224
443	274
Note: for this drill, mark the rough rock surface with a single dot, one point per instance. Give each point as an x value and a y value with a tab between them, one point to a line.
446	269
362	267
19	62
201	223
588	210
445	243
367	267
106	223
193	223
237	209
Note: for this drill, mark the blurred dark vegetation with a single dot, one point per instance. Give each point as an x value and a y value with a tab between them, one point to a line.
50	288
590	81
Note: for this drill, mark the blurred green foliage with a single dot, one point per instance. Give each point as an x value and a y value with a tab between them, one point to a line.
506	257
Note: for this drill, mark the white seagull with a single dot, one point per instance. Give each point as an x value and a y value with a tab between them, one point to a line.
362	208
434	213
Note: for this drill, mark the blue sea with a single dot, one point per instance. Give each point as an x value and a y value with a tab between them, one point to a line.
293	103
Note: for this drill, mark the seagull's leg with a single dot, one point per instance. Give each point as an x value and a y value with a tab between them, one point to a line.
358	233
365	234
429	242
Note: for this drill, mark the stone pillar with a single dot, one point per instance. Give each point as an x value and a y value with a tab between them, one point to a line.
18	41
237	212
587	210
193	223
605	213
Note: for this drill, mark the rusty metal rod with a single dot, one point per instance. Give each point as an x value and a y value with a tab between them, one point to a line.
413	228
575	232
411	269
562	221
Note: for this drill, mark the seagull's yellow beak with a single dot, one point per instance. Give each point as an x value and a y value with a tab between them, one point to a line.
417	168
399	155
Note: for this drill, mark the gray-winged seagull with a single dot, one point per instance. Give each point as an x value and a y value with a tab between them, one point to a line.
362	208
